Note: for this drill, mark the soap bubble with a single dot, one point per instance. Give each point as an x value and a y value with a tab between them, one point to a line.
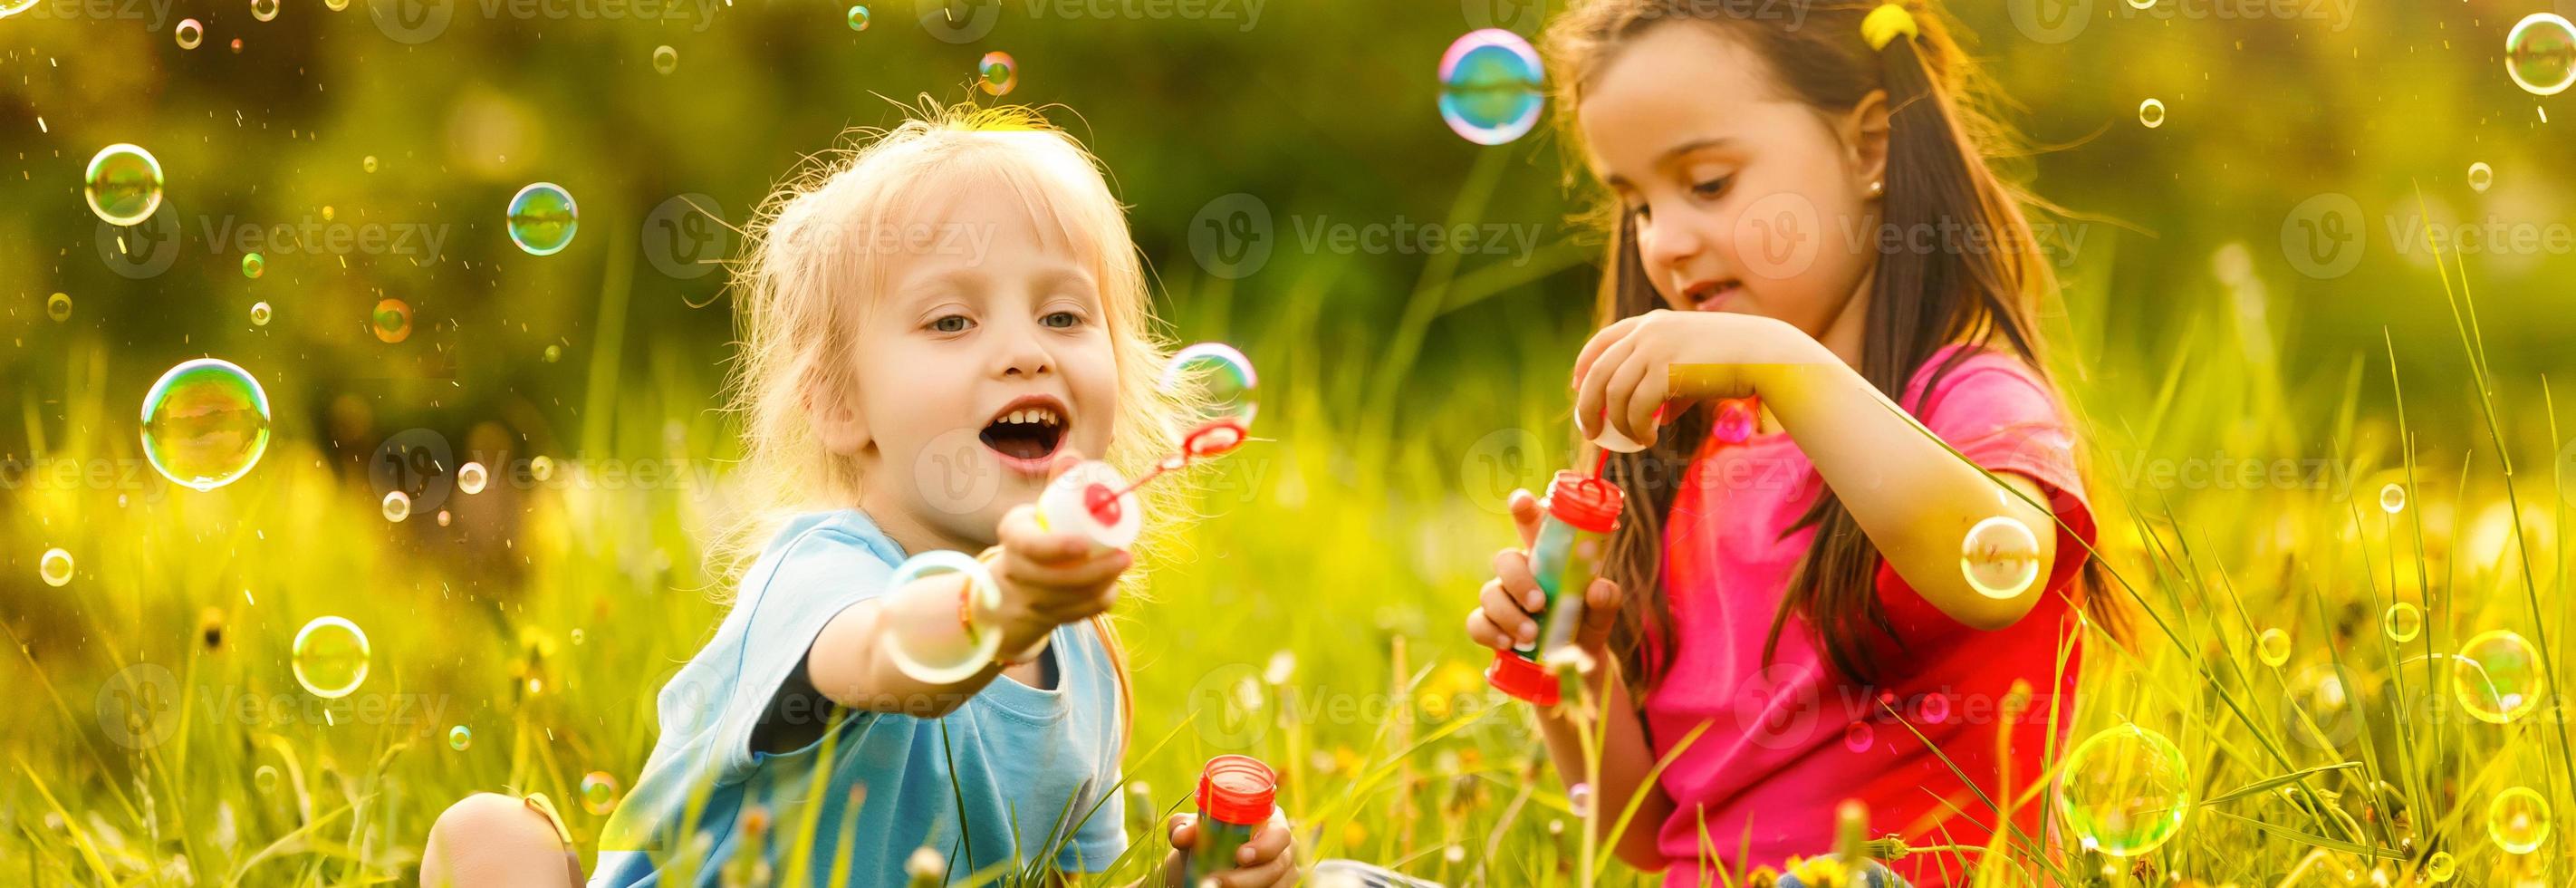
470	478
1222	378
1859	736
55	567
253	266
997	74
205	423
330	657
2152	113
460	737
263	10
2518	820
123	185
941	650
2272	646
2125	791
2392	499
542	218
259	314
264	780
2000	557
553	353
397	506
2403	621
1934	708
2497	676
443	518
599	792
2481	176
858	18
368	163
59	307
541	468
392	320
1578	799
1491	87
236	46
2540	54
665	60
1736	419
2441	867
189	33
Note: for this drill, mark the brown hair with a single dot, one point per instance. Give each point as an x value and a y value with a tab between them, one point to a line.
1937	180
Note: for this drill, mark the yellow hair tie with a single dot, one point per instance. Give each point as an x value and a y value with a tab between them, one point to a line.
1884	23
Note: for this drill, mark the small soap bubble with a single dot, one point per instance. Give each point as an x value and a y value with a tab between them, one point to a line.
599	792
189	33
858	18
2540	54
997	74
368	163
459	738
330	657
665	59
55	567
2518	820
2403	621
576	636
1859	736
2272	647
205	423
2392	499
123	184
443	518
470	478
264	780
392	320
1221	378
2441	867
2000	557
2124	791
1736	419
1934	709
542	218
541	468
59	307
335	5
1491	87
1578	799
2497	676
263	10
397	506
259	314
553	353
2152	113
253	266
2481	176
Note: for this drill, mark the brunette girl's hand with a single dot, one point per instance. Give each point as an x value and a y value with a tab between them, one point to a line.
1625	372
1508	607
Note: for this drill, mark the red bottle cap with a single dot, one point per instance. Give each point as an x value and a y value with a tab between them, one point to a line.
1237	789
1584	501
1522	679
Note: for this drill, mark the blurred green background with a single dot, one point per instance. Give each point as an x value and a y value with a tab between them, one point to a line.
2239	280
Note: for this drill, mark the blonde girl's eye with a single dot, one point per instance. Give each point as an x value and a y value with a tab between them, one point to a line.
951	324
1061	320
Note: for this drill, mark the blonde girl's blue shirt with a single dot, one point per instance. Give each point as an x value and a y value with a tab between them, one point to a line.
1015	775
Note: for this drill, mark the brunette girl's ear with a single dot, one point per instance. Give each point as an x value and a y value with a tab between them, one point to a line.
1864	133
833	405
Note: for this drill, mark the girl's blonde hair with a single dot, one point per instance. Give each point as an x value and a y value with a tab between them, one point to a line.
812	271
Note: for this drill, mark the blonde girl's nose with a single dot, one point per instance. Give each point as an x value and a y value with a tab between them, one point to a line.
1023	354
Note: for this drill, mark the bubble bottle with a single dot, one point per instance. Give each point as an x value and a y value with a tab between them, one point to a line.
1236	796
1580	512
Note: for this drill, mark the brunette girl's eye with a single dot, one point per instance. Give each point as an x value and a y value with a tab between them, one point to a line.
951	324
1712	187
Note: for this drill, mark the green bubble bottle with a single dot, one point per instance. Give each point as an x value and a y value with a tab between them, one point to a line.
1581	511
1236	795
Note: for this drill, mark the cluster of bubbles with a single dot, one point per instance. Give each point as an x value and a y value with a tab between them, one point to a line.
205	423
2152	113
392	320
59	307
1491	87
2540	54
55	566
2480	176
2403	621
2518	820
123	184
599	792
542	217
858	18
253	265
2000	557
997	74
2497	676
665	59
2124	791
2272	646
330	657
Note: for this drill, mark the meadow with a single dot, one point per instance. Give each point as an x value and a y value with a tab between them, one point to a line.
2246	419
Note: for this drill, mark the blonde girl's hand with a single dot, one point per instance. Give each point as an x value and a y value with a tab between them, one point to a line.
1625	372
1050	578
1269	859
1509	606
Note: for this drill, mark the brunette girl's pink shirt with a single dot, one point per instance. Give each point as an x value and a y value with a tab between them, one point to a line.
1786	742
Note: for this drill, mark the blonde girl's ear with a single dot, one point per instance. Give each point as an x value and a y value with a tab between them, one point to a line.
1864	137
833	406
